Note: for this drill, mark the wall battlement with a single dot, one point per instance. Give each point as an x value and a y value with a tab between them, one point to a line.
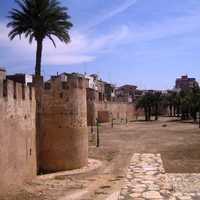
11	90
17	91
63	124
105	111
72	82
17	133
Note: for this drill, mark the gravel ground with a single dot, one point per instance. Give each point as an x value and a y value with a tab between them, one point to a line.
178	144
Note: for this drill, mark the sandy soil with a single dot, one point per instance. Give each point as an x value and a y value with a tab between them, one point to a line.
178	143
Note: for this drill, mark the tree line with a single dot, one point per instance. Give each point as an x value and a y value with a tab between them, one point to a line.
183	104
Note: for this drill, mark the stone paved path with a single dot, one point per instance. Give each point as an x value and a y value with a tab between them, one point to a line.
186	186
146	179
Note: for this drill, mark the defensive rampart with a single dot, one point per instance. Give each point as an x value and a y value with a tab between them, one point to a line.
17	133
64	134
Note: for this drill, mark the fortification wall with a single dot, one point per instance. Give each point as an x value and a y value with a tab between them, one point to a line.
116	110
64	134
17	134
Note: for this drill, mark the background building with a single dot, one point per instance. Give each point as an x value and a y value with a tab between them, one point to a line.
126	93
21	78
185	82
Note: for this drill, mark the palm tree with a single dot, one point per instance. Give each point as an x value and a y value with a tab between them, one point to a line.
195	102
172	101
39	19
142	103
169	103
186	100
157	99
146	103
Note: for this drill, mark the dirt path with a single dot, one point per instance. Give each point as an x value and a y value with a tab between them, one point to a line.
178	144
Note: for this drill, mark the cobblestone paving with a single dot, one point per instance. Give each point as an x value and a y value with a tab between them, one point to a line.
186	186
146	179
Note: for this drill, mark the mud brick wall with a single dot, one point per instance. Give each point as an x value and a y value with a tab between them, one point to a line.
103	116
116	110
17	134
64	134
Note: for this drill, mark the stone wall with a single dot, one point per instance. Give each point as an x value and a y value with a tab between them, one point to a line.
116	110
64	134
17	134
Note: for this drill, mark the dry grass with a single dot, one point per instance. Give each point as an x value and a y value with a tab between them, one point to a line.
178	143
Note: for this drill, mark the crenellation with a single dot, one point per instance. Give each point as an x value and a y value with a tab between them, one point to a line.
47	86
63	111
65	106
16	90
17	133
2	73
5	88
71	83
23	92
9	89
65	85
76	82
13	90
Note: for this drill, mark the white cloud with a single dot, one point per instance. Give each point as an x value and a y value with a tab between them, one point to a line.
5	41
62	59
109	14
85	48
82	48
167	28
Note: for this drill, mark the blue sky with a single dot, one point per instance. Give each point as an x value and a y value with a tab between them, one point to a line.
144	42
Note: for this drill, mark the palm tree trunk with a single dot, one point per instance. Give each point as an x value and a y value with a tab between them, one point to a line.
149	113
178	111
170	110
195	116
146	113
156	112
174	111
38	84
199	118
38	58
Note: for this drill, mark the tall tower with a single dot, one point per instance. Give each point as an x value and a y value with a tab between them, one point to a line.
64	134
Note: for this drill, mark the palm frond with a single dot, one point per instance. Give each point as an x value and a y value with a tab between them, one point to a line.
39	19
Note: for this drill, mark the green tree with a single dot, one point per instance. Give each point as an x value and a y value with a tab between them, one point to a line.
146	102
186	100
142	104
195	102
39	19
157	101
172	101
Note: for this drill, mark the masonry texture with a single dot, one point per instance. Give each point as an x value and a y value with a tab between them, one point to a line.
17	134
105	111
64	134
117	110
146	179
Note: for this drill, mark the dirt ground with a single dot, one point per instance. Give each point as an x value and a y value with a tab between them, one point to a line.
178	143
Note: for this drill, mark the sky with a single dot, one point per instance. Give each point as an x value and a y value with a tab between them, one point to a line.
148	43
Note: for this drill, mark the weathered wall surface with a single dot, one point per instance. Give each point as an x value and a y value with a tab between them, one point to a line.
103	116
17	134
116	110
64	134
